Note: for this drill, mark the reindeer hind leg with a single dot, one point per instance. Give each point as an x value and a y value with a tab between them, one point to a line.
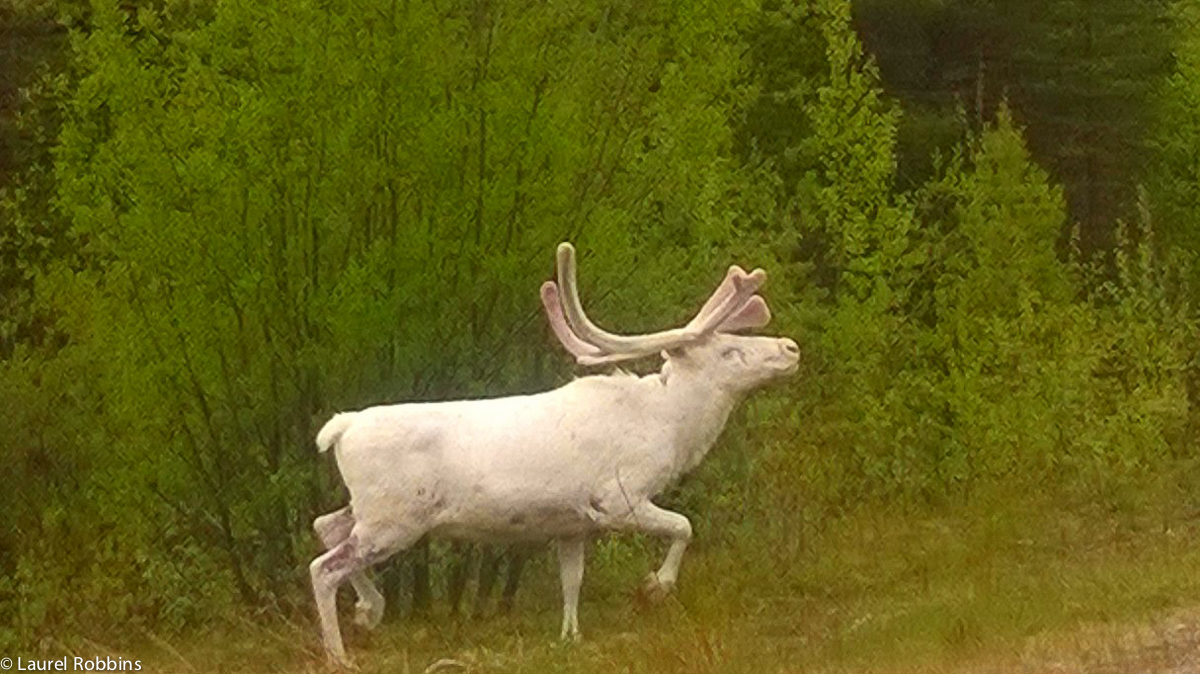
333	529
362	549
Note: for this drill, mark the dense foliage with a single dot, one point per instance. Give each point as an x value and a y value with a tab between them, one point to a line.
249	214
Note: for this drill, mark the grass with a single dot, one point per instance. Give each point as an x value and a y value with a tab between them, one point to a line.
1012	578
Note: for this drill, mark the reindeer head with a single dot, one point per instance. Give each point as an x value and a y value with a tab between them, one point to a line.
705	345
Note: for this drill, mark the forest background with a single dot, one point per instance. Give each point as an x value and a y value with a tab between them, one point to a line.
220	222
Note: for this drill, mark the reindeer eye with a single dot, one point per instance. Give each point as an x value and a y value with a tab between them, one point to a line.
731	351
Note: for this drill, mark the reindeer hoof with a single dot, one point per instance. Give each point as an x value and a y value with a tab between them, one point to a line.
654	591
342	663
368	615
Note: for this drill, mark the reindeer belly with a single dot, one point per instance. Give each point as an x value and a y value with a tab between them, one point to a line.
495	522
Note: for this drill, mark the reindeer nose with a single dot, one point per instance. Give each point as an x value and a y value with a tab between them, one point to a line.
790	347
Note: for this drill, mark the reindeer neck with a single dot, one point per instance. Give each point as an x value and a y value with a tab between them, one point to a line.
699	409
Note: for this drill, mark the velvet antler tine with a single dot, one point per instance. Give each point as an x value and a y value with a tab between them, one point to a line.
753	314
727	288
558	323
744	289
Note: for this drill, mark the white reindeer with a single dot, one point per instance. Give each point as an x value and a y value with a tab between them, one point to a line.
561	465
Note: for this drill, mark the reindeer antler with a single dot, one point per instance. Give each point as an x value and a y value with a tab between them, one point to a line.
733	306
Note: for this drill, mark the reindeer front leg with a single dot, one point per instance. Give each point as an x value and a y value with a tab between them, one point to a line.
649	518
677	530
